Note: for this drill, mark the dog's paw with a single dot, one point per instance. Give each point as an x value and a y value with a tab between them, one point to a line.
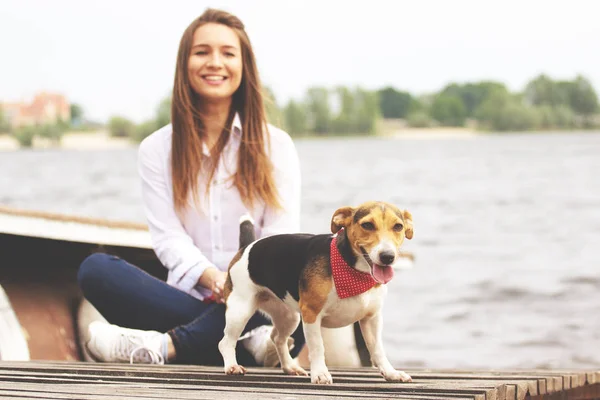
396	376
235	370
321	377
295	369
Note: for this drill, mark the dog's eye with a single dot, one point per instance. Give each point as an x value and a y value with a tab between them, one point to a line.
398	227
368	226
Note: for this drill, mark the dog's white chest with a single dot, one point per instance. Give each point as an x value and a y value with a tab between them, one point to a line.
342	312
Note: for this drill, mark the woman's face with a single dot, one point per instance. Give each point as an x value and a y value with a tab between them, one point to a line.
215	63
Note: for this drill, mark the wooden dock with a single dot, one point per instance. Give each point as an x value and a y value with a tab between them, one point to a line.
68	380
37	321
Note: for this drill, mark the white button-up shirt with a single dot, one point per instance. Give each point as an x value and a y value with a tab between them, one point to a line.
208	235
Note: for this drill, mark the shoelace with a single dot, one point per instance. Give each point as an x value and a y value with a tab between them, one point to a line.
134	349
155	357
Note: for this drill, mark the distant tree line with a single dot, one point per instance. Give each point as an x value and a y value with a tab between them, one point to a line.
324	112
544	104
120	126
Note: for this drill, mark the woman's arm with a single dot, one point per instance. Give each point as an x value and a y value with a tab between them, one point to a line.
172	245
288	182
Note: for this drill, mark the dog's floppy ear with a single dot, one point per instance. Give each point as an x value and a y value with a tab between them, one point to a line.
341	218
408	224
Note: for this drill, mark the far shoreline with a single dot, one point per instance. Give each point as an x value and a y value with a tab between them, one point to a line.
101	139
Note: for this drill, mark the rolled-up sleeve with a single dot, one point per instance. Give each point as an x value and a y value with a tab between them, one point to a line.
288	182
172	245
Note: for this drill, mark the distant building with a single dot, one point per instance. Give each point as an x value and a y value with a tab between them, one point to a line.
46	108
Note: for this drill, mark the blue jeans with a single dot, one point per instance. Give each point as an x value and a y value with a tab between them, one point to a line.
129	297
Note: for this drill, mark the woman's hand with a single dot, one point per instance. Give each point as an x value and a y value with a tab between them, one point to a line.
218	286
214	280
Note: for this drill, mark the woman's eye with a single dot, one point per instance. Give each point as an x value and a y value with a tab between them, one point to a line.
398	227
201	53
368	226
230	54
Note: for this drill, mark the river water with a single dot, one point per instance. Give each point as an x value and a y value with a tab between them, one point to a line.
507	234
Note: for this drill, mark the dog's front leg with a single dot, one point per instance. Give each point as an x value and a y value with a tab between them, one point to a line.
371	329
316	353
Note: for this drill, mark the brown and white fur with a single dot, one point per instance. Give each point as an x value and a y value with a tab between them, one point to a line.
289	277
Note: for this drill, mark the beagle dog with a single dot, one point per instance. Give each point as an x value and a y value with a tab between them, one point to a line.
327	280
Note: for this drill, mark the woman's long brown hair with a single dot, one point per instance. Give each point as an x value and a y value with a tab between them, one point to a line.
254	176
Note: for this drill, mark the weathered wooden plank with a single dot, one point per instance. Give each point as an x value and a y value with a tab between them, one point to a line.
164	391
358	383
276	383
510	392
554	380
522	387
386	388
224	395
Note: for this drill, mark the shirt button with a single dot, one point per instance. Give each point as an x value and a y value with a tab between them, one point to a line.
216	217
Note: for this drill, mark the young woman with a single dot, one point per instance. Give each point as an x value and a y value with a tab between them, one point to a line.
216	161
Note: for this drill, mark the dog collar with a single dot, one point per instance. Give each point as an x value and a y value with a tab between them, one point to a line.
348	281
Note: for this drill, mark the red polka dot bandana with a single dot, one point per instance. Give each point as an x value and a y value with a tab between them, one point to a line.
348	281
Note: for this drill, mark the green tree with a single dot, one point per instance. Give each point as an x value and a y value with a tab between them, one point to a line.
54	132
548	119
358	111
318	109
3	122
77	114
367	111
502	111
121	127
295	118
489	109
472	94
582	97
345	120
24	135
517	117
449	110
273	112
564	117
143	130
417	105
394	103
544	91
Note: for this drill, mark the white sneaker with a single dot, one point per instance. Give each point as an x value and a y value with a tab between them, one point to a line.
111	343
258	342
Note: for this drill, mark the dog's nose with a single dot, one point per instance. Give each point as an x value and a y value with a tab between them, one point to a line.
387	257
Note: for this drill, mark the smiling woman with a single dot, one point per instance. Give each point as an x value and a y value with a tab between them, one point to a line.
219	160
215	65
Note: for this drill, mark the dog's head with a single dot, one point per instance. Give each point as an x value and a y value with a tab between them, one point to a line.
375	231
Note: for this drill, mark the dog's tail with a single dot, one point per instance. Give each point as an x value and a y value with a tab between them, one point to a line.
247	234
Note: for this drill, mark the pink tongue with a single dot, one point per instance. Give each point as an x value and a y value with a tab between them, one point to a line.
383	273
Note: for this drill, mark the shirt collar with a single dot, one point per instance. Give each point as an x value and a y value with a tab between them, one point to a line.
236	131
237	124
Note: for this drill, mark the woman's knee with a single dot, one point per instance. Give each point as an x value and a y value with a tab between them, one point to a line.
93	268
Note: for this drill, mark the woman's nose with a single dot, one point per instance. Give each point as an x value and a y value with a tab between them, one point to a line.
215	61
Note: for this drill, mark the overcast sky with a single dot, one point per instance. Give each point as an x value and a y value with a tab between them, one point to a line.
118	57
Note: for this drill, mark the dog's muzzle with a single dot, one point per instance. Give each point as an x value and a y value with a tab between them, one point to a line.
381	273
